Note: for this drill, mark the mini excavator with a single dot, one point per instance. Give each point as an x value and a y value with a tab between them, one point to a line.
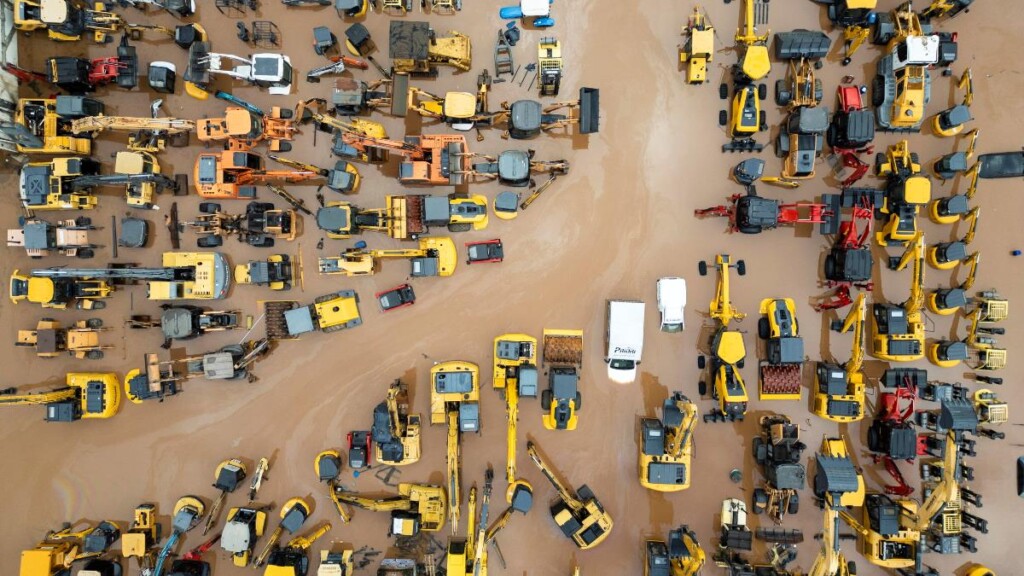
328	468
188	513
395	432
292	559
579	515
666	446
682	555
839	390
85	395
950	122
838	484
515	374
231	174
228	476
727	349
293	514
897	331
455	400
416	507
907	190
436	256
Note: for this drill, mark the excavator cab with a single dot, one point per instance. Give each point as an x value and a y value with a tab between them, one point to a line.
850	12
244	526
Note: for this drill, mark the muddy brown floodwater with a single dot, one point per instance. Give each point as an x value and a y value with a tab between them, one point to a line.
622	218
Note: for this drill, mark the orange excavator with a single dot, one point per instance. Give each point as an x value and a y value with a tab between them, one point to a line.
235	174
433	159
242	129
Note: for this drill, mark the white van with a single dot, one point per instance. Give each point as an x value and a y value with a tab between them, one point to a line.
672	303
625	337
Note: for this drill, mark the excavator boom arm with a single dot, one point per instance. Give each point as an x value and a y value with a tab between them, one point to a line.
564	493
512	415
855	320
125	123
40	398
947	490
384	504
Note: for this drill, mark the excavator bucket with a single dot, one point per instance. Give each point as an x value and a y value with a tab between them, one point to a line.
801	44
400	94
589	110
835	475
958	414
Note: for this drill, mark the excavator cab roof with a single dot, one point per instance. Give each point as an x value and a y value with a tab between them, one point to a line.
229	476
239	122
459	105
336	218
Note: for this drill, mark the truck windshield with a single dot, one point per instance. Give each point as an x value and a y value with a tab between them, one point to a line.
622	364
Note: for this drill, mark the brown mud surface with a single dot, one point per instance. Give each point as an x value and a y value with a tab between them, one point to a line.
622	218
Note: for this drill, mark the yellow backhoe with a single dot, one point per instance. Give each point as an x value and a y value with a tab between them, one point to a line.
727	349
839	390
416	507
436	256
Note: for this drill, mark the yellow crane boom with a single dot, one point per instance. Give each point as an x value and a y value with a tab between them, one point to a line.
855	320
679	437
127	123
454	466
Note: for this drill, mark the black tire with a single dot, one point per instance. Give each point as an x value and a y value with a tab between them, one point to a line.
763	328
914	159
85	253
287	113
764	121
879	160
846	61
209	241
778	147
284	146
830	268
760	500
877	91
741	363
702	388
701	361
264	242
723	91
819	91
794	504
94	355
94	323
209	207
723	117
762	91
83	221
757	449
702	267
851	567
545	399
781	94
579	401
741	268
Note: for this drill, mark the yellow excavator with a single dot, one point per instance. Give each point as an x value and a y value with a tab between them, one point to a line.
85	395
455	401
468	556
515	373
727	349
416	507
436	256
291	559
666	446
890	532
309	111
396	433
754	62
681	556
897	331
839	485
228	476
143	534
60	548
294	514
839	390
579	515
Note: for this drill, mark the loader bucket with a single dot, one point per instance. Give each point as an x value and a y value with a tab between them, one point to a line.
801	44
400	95
589	110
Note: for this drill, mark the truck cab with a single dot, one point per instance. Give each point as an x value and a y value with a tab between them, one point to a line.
625	339
672	304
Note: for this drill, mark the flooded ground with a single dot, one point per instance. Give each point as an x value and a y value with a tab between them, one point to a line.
622	218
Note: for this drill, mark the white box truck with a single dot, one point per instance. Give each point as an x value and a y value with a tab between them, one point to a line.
672	303
625	337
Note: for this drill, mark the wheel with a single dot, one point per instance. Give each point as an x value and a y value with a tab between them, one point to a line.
794	504
460	227
851	567
779	153
723	117
760	500
762	91
702	388
877	91
209	241
85	253
830	268
914	158
758	450
847	60
741	268
723	91
701	362
209	207
702	267
819	91
284	146
764	121
545	399
579	401
763	328
286	113
741	363
94	323
94	354
83	221
780	93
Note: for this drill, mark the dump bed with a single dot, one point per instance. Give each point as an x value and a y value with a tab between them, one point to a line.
274	316
405	216
563	347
